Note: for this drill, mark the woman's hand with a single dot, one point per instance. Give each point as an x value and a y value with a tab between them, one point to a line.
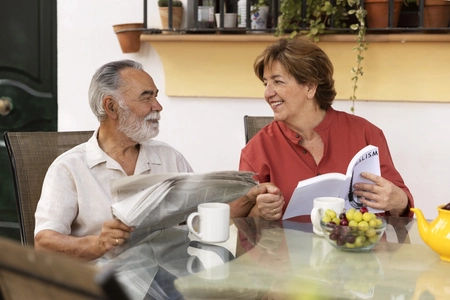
382	194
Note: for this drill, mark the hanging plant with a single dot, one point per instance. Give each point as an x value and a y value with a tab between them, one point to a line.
361	45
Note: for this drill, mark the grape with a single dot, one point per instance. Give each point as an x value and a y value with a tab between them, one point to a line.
330	213
367	217
364	209
447	207
336	220
373	223
344	222
371	232
349	214
353	223
357	216
350	239
363	225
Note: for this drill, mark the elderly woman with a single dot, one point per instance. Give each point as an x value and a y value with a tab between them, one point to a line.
309	137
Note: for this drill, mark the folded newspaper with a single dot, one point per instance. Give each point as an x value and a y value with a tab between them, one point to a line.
154	202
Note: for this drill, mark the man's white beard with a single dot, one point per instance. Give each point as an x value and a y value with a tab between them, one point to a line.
138	129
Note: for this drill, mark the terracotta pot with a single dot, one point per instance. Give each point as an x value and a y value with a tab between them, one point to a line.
378	13
177	15
129	36
436	14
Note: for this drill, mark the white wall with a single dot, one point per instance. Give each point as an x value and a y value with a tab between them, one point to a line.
209	132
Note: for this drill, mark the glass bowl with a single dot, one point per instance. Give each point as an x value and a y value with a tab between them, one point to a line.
353	238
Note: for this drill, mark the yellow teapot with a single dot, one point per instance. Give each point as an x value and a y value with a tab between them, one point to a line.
436	234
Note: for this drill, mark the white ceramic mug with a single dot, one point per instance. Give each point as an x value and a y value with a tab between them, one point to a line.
214	222
320	205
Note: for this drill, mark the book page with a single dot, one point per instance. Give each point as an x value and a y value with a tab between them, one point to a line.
326	185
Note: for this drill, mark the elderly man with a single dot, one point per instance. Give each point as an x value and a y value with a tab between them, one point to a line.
74	213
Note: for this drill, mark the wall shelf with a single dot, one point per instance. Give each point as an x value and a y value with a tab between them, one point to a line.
397	67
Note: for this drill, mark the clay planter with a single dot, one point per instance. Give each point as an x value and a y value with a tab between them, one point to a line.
378	13
436	14
177	15
129	36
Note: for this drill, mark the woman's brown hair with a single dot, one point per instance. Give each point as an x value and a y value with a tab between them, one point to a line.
305	61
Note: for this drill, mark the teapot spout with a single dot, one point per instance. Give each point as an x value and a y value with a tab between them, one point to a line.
422	223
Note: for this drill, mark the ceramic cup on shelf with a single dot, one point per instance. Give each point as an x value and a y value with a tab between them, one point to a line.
320	205
213	222
229	20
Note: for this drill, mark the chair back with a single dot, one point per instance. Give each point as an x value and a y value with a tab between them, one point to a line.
30	154
253	124
26	273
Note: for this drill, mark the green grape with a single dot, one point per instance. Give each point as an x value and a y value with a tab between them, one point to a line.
371	232
357	216
363	225
330	213
348	245
367	217
359	241
349	214
353	224
326	219
373	223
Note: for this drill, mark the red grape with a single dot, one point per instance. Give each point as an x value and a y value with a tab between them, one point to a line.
363	209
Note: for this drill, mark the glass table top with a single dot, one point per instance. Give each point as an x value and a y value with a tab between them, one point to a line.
283	260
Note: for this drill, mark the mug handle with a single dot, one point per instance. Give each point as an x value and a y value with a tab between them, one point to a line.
315	219
191	227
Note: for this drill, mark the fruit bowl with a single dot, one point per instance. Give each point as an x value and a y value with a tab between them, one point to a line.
357	236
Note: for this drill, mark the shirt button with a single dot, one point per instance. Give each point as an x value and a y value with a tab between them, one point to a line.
297	136
304	151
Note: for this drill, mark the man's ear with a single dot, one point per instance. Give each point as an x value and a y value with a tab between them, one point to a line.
110	107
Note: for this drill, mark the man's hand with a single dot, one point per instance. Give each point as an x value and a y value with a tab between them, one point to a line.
382	194
269	202
90	247
113	234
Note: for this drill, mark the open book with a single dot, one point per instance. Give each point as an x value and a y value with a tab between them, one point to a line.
153	202
335	184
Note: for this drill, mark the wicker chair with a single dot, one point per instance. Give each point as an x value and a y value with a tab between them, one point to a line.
31	153
26	273
253	124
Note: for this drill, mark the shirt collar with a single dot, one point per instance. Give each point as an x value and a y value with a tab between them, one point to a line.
295	138
95	156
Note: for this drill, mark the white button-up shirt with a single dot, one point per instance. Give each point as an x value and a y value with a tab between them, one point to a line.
76	198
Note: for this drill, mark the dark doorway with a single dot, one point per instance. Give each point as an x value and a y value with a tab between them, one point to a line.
28	79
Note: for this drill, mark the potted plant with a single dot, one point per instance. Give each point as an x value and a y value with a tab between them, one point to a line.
177	14
259	14
436	13
378	13
318	16
129	35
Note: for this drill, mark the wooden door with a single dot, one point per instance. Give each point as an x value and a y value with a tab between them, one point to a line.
28	77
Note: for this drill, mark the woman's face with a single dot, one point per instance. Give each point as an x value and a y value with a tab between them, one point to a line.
284	94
